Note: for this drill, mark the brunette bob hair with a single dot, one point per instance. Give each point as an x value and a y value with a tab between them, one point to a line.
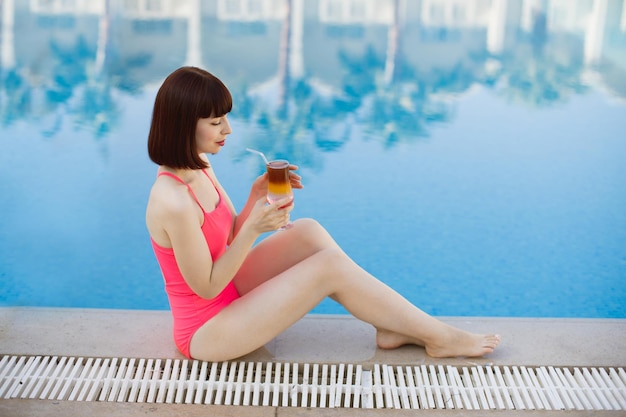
187	94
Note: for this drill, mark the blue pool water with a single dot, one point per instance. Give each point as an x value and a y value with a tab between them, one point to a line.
471	156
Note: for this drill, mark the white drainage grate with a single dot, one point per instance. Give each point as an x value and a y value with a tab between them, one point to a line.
312	385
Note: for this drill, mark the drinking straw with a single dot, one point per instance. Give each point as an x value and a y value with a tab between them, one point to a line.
260	153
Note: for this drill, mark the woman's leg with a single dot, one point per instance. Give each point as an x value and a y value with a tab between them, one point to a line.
267	309
264	262
280	251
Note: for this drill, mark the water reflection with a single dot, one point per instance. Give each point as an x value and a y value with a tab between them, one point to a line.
532	197
305	73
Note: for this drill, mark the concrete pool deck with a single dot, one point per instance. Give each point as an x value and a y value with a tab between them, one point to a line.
315	339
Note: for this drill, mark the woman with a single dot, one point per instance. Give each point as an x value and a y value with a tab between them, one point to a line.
229	296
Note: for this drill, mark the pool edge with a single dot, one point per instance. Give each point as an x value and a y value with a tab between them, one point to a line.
316	338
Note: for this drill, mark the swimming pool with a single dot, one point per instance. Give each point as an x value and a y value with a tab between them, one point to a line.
470	155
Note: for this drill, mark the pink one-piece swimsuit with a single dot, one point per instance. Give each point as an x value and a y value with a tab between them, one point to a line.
189	310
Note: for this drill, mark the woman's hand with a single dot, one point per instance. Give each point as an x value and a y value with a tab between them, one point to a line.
259	187
295	179
257	203
266	217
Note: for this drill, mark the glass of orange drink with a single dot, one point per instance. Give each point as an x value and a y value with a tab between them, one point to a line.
279	185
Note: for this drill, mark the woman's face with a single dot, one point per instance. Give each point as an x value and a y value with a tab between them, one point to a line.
211	134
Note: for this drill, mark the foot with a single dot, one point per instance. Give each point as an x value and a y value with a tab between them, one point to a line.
460	343
452	343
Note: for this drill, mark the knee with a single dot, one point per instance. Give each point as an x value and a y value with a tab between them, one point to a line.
311	233
308	224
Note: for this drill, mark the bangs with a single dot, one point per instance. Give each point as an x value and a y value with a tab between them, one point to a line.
217	100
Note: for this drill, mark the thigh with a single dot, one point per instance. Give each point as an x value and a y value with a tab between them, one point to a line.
280	251
264	312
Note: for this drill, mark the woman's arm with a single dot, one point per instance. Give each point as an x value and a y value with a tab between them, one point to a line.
178	218
257	192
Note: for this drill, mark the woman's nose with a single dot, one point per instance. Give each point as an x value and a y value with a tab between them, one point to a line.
227	130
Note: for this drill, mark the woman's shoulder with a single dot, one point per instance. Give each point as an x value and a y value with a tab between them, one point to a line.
167	209
168	196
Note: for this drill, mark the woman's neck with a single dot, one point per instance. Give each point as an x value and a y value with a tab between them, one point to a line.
185	174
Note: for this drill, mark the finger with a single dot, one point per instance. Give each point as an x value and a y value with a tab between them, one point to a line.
293	167
295	180
283	203
285	221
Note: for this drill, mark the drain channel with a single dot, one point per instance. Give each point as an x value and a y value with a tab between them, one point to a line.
312	385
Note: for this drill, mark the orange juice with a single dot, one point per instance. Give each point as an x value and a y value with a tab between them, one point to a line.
279	189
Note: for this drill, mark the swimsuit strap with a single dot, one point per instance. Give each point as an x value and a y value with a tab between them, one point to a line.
213	182
177	178
210	179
